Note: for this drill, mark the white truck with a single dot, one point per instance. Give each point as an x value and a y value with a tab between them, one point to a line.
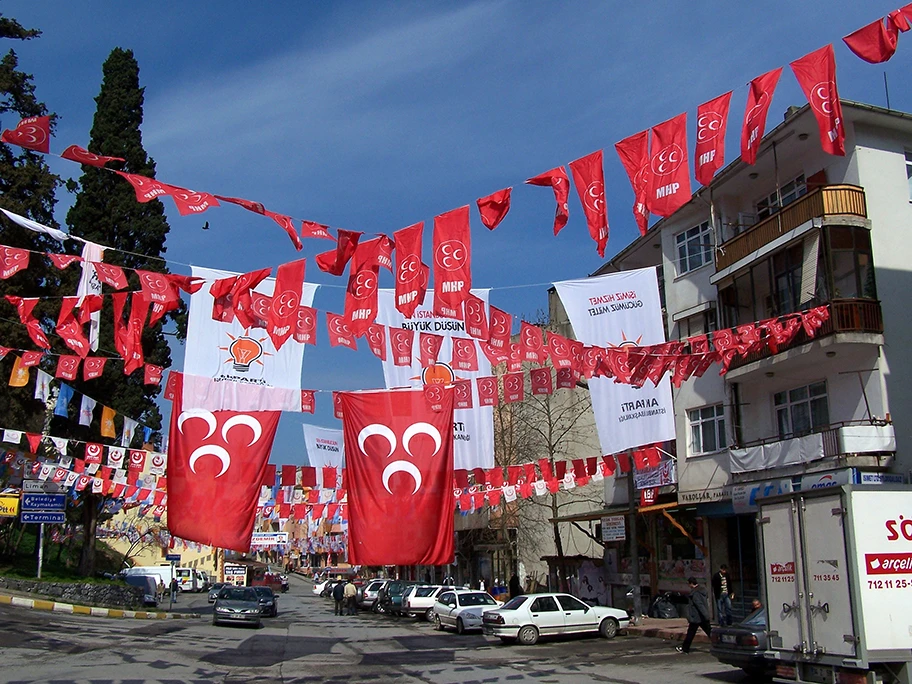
837	566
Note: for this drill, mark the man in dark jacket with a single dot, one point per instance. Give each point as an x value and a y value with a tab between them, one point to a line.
339	597
722	593
697	615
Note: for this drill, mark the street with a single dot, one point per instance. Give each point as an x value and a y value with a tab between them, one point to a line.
307	643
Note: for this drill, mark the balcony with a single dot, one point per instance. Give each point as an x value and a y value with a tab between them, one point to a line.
851	438
846	315
831	200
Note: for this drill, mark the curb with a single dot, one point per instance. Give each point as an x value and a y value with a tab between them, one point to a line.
69	608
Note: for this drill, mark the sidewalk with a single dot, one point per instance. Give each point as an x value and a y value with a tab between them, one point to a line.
673	629
20	601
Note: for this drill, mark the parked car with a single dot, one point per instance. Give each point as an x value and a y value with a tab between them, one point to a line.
237	604
269	601
214	591
149	587
462	609
743	644
526	618
368	595
420	602
391	597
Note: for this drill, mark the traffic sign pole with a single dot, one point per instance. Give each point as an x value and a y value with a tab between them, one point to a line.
40	548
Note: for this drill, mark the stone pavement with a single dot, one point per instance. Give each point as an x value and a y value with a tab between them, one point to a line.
672	629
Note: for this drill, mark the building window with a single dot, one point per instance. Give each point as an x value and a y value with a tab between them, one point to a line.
698	324
694	247
909	172
802	410
788	193
787	279
853	266
707	429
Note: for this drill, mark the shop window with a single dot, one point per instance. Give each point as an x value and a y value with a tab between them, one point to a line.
694	247
707	429
802	410
787	194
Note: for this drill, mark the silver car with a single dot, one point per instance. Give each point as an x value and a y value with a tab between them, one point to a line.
461	609
237	604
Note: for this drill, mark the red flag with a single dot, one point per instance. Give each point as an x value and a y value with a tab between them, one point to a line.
376	340
137	460
31	358
69	328
83	156
152	374
93	452
12	260
410	286
24	307
533	347
361	293
286	301
146	189
216	462
233	297
515	360
875	42
61	261
494	208
289	476
399	466
339	333
401	341
541	381
487	391
476	320
513	387
559	350
139	308
111	275
452	262
255	207
634	154
335	260
816	74
589	179
190	201
558	181
494	354
669	180
434	396
566	378
759	99
93	367
329	478
305	329
309	229
308	401
462	394
287	224
709	151
465	354
429	348
67	367
32	133
500	328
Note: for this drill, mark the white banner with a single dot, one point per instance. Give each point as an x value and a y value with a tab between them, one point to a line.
622	310
325	447
473	429
268	539
228	367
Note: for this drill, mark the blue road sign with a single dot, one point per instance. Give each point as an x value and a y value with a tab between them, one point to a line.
42	517
43	502
173	557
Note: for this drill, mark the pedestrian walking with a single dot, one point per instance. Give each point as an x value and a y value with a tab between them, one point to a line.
160	590
697	615
723	595
338	593
350	593
515	586
174	588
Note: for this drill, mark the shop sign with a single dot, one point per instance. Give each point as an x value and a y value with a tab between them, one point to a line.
9	506
831	478
648	496
879	478
614	528
704	495
744	496
663	474
269	538
235	574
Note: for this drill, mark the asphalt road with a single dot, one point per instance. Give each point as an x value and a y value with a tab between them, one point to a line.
307	643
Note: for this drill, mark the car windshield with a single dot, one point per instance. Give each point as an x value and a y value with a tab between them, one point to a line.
237	594
476	599
514	603
756	619
217	586
264	591
425	591
374	586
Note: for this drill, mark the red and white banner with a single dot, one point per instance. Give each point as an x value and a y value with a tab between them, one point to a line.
669	180
709	151
411	273
500	328
285	303
533	346
401	342
32	133
324	449
557	180
476	318
340	335
12	260
465	354
216	462
634	154
759	99
589	179
361	293
376	340
816	74
452	262
83	156
399	466
494	207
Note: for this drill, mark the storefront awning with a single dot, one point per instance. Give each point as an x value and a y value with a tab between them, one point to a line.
613	510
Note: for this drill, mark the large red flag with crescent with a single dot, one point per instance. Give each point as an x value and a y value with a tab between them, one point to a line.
452	262
816	74
216	462
559	182
410	286
589	179
399	469
634	154
709	151
759	99
669	181
283	312
32	133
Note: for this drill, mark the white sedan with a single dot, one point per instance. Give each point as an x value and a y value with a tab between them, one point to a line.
461	609
526	618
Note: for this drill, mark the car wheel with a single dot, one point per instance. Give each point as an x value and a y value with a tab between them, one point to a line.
438	625
528	635
608	628
429	614
460	627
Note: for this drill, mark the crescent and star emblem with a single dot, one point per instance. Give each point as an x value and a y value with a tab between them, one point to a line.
219	452
400	465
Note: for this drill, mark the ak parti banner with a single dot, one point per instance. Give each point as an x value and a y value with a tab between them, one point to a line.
816	74
759	99
669	180
399	470
709	152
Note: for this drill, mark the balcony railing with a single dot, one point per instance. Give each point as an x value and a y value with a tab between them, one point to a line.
831	200
846	315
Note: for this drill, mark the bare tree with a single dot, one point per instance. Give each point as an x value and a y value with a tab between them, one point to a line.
138	533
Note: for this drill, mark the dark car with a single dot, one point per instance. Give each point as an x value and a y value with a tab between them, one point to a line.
269	602
743	644
390	598
214	591
237	604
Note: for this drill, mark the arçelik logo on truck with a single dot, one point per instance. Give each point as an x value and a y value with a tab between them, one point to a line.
782	568
888	563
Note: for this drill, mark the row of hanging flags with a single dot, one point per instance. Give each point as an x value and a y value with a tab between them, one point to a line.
658	168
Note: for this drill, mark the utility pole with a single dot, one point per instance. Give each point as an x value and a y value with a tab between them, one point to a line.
634	546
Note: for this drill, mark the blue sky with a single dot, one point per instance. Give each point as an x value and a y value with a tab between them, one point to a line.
373	116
